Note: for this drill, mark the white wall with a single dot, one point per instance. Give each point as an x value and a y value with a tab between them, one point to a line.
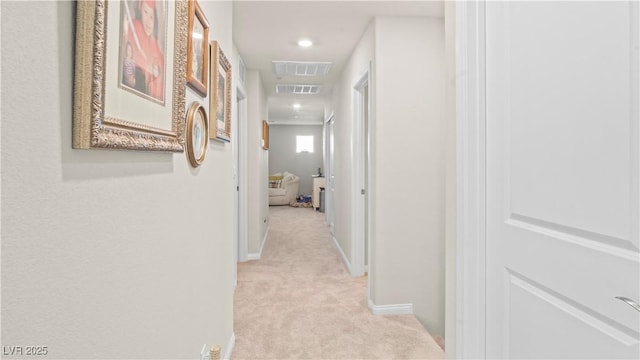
105	254
409	156
408	162
283	155
450	284
257	163
342	101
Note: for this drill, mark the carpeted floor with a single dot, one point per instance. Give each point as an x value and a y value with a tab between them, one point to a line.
299	302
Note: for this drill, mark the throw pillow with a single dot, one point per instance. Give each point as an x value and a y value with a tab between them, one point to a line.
275	184
275	181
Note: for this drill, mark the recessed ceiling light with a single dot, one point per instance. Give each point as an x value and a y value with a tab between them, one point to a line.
296	106
305	43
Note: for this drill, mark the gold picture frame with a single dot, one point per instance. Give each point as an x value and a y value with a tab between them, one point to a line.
197	139
108	114
265	135
220	99
197	49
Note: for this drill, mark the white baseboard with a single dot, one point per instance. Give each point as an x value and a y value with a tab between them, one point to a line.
229	349
344	257
393	309
256	256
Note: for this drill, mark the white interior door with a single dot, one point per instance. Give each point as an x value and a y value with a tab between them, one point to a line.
562	179
240	199
330	174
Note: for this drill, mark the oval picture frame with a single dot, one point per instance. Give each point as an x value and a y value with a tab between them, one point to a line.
197	139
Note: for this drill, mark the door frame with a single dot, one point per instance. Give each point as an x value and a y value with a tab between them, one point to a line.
470	177
240	164
359	200
329	128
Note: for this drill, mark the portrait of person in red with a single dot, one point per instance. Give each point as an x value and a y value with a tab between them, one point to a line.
141	32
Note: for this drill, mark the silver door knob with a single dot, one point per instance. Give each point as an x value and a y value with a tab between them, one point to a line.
629	302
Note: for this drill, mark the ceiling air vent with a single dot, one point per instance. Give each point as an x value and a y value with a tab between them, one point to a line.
297	89
300	68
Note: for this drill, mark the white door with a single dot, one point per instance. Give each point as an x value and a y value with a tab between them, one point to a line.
240	162
330	173
562	179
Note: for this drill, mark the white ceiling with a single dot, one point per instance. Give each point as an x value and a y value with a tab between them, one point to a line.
264	31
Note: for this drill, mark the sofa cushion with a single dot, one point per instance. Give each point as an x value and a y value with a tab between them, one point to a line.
288	177
277	192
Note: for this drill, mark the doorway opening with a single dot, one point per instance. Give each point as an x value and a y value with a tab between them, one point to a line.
330	172
240	181
361	178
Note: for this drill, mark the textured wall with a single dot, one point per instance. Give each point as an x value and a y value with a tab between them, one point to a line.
257	163
409	157
105	254
408	162
356	67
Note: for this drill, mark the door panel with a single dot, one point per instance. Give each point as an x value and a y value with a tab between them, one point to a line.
572	327
562	179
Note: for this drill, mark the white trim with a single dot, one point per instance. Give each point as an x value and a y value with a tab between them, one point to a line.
253	256
329	169
257	256
392	309
328	194
345	260
371	179
470	181
358	202
230	346
297	123
241	158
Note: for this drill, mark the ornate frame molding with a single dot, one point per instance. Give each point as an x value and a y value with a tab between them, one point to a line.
92	128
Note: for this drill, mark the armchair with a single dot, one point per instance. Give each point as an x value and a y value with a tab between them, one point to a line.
287	190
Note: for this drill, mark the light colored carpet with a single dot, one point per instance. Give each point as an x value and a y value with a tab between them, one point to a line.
299	302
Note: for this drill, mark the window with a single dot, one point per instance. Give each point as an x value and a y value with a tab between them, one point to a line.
304	144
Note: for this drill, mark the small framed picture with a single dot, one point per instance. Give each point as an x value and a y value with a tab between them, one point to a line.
196	139
197	49
220	99
265	135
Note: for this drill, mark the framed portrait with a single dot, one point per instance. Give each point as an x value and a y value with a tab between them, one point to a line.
129	81
197	49
265	135
220	99
142	48
197	138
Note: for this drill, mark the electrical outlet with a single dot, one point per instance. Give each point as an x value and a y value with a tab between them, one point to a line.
204	353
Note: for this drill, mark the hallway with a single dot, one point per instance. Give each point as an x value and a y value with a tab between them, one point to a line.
299	302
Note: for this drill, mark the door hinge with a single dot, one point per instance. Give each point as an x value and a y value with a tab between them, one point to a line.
362	192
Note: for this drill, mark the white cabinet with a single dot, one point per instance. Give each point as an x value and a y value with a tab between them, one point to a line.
318	182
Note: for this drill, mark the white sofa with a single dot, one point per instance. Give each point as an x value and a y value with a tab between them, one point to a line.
287	190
